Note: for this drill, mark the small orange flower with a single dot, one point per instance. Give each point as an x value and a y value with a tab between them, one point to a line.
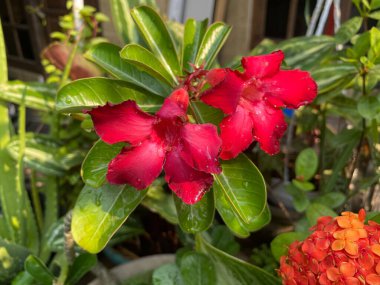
341	250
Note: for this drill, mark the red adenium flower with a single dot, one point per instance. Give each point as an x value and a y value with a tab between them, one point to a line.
252	101
341	250
187	152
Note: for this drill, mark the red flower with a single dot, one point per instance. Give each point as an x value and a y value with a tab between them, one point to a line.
252	101
187	152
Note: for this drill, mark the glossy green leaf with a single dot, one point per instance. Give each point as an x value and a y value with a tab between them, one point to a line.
369	107
36	268
193	35
95	165
82	264
167	274
12	258
232	270
157	201
315	211
348	30
306	164
197	269
244	187
214	39
98	213
157	36
197	217
107	56
39	96
280	244
123	22
147	61
207	114
88	93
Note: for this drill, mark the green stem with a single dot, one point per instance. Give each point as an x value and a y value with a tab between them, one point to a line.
69	63
20	160
36	201
322	144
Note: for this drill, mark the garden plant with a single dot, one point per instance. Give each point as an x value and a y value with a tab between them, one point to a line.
278	143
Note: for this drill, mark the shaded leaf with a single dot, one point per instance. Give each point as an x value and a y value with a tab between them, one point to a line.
348	30
38	270
197	269
232	270
279	245
315	211
306	164
197	217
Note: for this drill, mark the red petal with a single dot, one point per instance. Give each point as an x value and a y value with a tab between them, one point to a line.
175	105
226	90
201	145
236	133
124	122
289	88
268	126
138	166
262	65
189	184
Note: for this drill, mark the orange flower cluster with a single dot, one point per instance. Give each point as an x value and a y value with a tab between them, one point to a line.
341	250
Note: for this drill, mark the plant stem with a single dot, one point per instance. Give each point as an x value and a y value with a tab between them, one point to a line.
36	201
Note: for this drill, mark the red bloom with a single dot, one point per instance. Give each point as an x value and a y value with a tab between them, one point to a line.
187	152
252	101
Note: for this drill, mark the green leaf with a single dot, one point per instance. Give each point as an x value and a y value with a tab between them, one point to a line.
12	258
333	77
40	154
300	200
98	213
197	269
279	245
39	96
348	30
193	35
157	36
197	217
36	268
232	270
303	185
95	165
123	22
306	164
244	187
23	278
374	52
374	15
223	239
82	264
333	199
107	56
167	274
369	107
93	92
315	210
342	158
207	114
147	61
157	201
214	39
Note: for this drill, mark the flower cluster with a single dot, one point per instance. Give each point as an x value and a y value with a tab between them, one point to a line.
188	153
341	250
